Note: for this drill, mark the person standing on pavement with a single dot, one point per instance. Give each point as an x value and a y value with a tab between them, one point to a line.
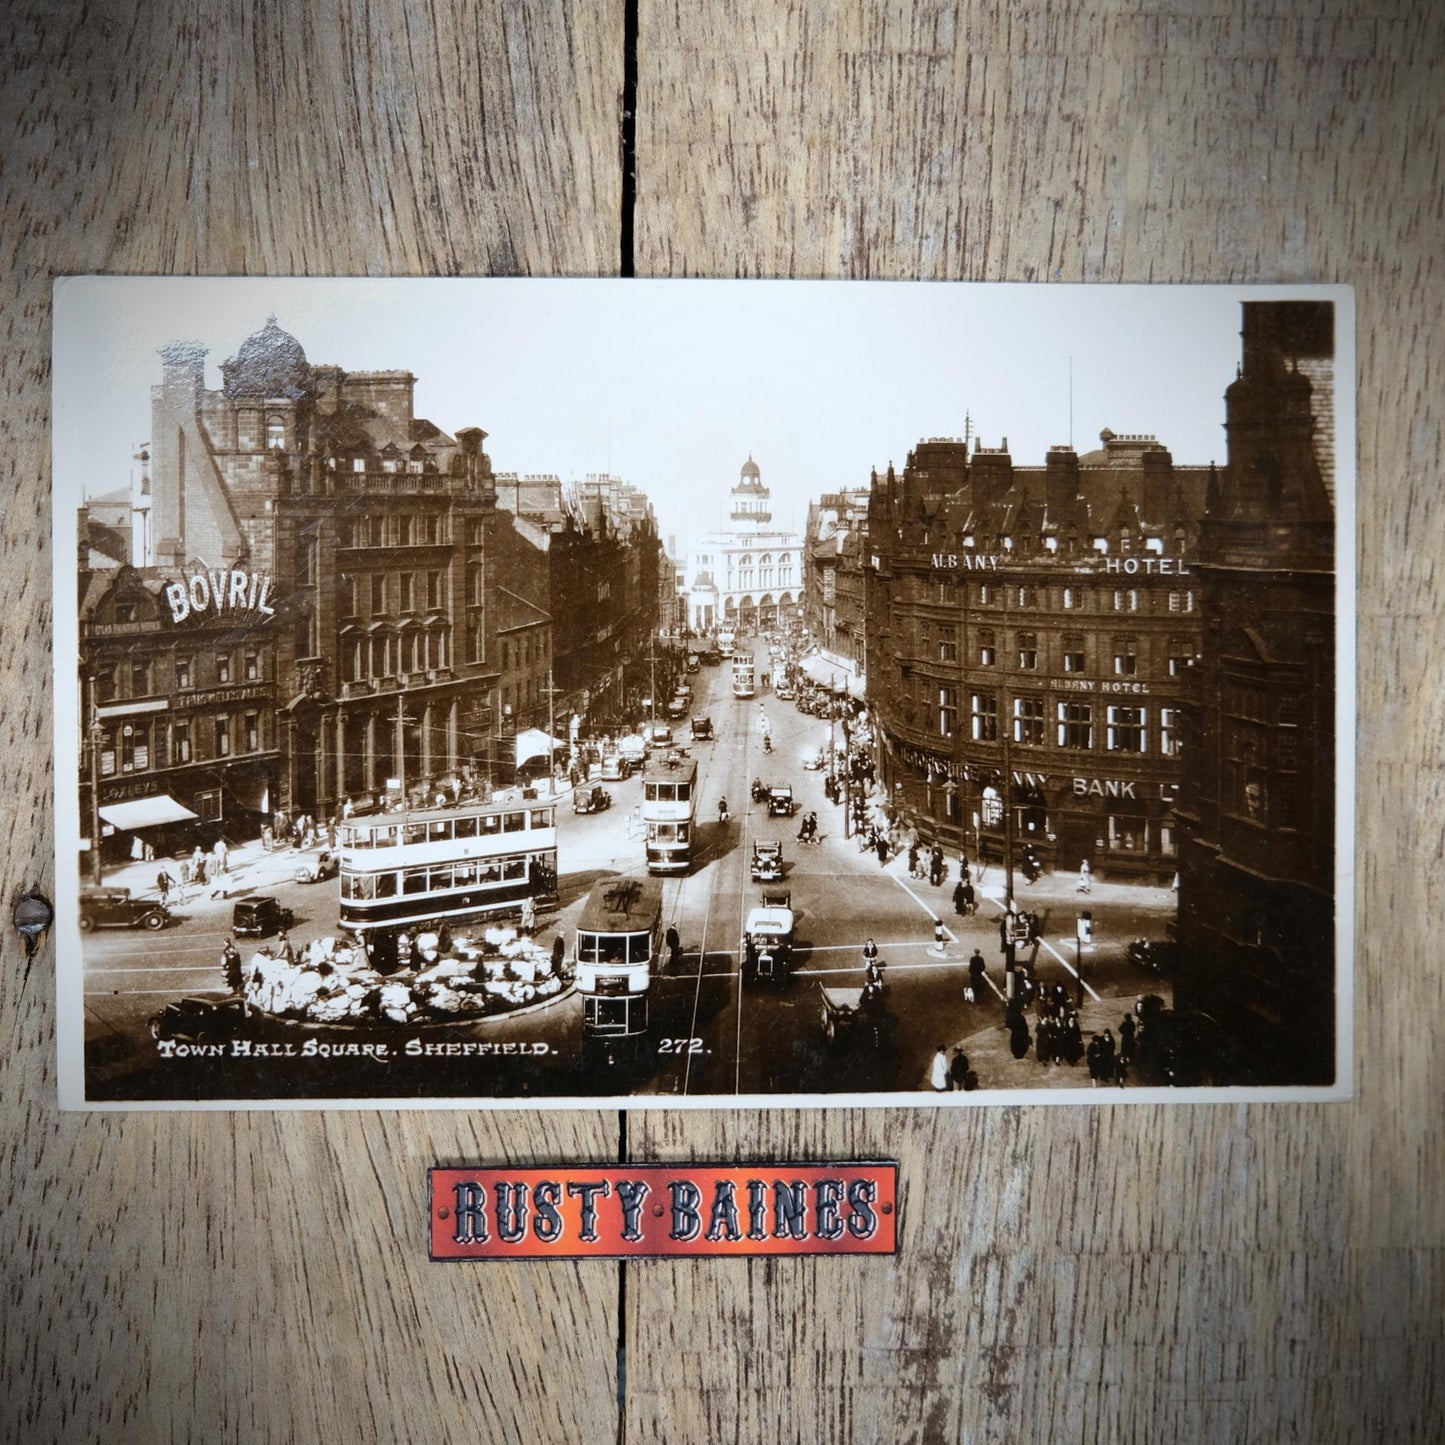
673	940
938	1074
529	915
220	851
958	1069
1085	883
164	884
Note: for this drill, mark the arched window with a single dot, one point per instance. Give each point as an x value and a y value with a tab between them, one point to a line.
275	432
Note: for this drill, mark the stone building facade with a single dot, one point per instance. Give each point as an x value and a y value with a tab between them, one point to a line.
834	593
747	574
1030	637
1257	903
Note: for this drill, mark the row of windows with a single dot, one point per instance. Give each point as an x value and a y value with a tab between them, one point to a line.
142	677
390	653
436	878
445	830
395	592
401	529
139	746
1053	597
1072	655
1125	730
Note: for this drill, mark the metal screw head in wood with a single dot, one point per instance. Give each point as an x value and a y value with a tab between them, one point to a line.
33	915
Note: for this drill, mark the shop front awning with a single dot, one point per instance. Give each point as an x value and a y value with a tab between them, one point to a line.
830	675
145	813
534	743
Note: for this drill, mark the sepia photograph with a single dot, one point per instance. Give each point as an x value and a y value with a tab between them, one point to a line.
521	693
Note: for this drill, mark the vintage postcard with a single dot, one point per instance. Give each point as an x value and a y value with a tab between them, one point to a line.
521	693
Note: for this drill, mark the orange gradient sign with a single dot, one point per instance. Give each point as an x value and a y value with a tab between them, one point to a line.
651	1210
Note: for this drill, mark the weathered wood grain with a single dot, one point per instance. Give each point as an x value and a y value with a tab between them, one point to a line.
1201	1274
264	1277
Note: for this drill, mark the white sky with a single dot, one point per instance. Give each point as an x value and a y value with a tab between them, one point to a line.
670	384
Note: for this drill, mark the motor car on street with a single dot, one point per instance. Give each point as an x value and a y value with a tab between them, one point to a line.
259	915
780	801
591	800
115	908
677	708
767	860
658	735
702	729
199	1020
614	770
767	942
326	864
784	691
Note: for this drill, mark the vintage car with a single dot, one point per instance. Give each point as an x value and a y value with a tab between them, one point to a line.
780	801
591	800
115	908
702	729
260	914
614	769
767	860
693	662
657	735
199	1020
677	708
785	691
325	865
766	950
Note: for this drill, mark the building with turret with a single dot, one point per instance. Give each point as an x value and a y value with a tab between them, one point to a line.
746	574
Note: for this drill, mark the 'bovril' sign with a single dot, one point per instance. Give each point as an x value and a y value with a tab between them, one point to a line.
224	589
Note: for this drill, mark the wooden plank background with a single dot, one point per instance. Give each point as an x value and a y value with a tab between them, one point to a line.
1191	1274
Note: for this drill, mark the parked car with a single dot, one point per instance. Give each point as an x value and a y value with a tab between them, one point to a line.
785	691
591	800
115	908
199	1020
324	865
260	914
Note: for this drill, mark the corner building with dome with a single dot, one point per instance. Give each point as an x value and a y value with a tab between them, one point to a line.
746	575
375	529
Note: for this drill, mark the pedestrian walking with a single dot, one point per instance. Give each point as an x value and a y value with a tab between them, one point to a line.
1094	1057
913	860
977	977
935	866
1126	1038
220	853
938	1074
958	1068
960	901
559	954
963	867
529	915
881	844
1085	883
231	966
1018	1036
673	940
164	884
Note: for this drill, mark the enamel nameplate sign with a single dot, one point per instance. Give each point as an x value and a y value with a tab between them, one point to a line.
642	1210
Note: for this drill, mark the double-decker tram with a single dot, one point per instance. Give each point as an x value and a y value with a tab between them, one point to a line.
669	811
619	936
744	684
447	865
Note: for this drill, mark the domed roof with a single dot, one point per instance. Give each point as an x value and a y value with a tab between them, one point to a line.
750	468
270	362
